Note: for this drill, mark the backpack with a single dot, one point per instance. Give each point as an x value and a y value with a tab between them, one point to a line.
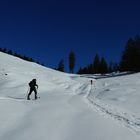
30	84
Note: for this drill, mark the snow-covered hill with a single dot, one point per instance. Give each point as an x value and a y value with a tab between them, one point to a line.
69	107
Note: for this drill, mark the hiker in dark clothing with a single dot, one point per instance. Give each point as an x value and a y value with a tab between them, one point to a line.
91	82
32	86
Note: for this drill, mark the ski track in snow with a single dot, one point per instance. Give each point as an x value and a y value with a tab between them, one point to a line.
128	120
18	99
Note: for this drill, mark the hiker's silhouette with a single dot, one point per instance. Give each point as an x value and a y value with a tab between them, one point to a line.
33	86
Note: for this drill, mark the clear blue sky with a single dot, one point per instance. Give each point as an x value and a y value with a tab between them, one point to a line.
48	30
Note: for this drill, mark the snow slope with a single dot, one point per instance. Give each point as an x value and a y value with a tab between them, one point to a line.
69	107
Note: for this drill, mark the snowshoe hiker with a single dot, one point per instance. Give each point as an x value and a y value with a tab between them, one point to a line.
32	85
91	82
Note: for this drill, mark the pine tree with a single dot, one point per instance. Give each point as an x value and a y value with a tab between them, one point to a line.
10	52
131	56
72	60
96	64
103	66
79	71
61	65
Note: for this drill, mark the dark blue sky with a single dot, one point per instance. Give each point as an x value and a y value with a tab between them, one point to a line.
48	30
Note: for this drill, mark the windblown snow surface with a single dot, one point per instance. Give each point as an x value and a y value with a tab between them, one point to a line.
69	107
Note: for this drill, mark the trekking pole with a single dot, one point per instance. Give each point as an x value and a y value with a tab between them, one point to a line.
37	92
27	92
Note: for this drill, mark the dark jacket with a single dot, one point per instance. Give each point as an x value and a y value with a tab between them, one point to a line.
33	84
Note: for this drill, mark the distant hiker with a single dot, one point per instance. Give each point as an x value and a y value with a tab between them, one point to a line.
91	82
33	86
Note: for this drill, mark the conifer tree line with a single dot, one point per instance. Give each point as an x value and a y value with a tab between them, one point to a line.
99	65
10	52
130	61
